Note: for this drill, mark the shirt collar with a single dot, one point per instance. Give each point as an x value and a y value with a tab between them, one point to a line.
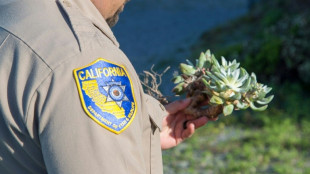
89	10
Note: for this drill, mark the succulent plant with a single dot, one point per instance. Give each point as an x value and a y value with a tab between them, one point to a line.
224	87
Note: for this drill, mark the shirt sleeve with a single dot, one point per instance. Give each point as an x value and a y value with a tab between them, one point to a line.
72	142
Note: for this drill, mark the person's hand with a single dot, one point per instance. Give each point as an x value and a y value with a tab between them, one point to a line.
178	126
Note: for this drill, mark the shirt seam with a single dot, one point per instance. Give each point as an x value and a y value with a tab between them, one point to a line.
40	83
44	80
26	115
21	40
6	38
32	97
41	59
68	58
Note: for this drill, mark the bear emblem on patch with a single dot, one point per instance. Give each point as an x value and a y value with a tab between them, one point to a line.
106	94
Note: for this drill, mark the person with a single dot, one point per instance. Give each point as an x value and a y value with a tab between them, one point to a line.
71	101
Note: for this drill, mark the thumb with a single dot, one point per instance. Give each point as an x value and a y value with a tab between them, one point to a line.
178	105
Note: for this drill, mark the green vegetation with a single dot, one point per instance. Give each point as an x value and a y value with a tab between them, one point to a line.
273	41
273	148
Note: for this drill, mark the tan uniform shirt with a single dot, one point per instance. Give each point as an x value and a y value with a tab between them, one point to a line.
70	100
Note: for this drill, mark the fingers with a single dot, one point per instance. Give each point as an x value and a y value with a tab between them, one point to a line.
199	122
189	128
178	105
189	131
179	129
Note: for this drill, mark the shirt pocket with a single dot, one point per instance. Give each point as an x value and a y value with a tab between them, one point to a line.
156	112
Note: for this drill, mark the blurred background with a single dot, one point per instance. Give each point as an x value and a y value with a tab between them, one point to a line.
268	37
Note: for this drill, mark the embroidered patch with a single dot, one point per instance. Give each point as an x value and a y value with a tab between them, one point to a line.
106	94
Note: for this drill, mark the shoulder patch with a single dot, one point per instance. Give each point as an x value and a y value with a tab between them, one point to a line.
106	94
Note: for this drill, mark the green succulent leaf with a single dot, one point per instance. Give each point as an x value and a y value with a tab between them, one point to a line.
204	81
208	62
202	60
179	88
214	61
237	96
241	105
215	69
243	75
212	76
224	62
219	86
246	86
208	53
187	69
209	86
216	100
261	95
224	95
228	109
233	66
236	74
177	79
222	77
267	90
262	108
265	101
197	62
243	72
206	77
253	79
230	96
